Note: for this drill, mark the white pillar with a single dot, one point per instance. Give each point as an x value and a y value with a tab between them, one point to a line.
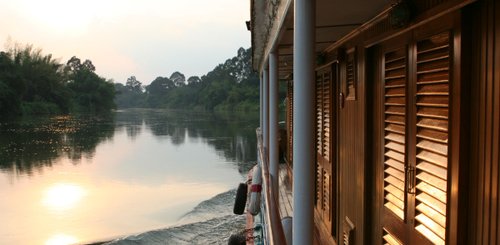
303	128
265	131
261	105
273	119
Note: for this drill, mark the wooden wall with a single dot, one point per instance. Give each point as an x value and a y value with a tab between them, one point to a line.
478	206
482	22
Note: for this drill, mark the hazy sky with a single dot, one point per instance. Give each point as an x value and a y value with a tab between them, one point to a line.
145	38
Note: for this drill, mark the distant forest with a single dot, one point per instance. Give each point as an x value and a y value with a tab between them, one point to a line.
33	83
232	85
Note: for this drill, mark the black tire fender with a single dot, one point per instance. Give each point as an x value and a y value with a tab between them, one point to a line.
241	199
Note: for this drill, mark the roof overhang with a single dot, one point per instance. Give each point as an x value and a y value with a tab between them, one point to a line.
272	27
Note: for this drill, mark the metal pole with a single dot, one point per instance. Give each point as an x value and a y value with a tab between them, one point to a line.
265	132
273	122
303	128
261	105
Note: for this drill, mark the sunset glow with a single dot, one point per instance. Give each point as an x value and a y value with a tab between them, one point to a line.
146	39
61	239
63	196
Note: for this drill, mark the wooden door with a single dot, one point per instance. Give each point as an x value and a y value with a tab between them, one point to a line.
416	101
326	173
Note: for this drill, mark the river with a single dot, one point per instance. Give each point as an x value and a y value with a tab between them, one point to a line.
130	175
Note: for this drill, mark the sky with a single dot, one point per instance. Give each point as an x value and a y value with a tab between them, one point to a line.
123	38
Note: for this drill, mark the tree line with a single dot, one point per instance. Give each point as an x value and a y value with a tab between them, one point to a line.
34	83
232	85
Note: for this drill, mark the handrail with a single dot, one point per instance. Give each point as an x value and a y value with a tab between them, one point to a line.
272	223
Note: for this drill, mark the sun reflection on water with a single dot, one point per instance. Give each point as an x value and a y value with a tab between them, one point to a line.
63	196
61	239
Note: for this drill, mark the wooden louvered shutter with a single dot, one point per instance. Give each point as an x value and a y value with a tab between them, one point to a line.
416	113
432	115
394	84
395	64
351	74
324	178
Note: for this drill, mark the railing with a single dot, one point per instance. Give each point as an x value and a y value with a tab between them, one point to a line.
272	223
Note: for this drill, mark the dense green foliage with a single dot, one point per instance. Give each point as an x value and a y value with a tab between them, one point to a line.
229	86
33	83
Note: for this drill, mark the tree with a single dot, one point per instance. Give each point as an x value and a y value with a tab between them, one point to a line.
133	84
178	78
193	80
91	93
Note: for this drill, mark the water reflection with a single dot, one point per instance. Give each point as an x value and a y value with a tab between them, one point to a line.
30	145
61	239
79	179
63	196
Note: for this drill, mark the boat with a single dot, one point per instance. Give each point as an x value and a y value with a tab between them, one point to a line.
392	121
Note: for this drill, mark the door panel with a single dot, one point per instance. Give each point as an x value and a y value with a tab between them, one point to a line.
415	87
326	149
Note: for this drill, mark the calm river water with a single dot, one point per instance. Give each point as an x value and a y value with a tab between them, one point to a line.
67	180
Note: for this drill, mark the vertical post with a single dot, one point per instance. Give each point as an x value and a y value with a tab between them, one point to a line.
265	132
303	128
273	120
261	102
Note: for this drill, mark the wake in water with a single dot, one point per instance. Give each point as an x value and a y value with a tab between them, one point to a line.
210	222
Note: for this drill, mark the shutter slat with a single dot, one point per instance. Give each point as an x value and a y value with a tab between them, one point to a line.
395	73
433	180
395	173
390	83
430	235
436	56
395	182
436	216
432	202
395	164
433	123
432	78
433	146
433	89
395	128
433	226
438	101
395	110
393	92
397	211
435	112
430	67
432	135
395	119
434	158
432	168
395	191
400	101
395	155
433	191
390	239
395	137
395	146
394	200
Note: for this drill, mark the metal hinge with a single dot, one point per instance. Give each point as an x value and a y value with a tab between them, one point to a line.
410	179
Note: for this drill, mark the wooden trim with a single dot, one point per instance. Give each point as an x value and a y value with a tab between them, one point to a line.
422	19
455	135
274	229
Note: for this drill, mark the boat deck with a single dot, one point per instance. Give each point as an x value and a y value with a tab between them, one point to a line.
285	192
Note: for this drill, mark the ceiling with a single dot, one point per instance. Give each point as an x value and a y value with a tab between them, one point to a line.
334	19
